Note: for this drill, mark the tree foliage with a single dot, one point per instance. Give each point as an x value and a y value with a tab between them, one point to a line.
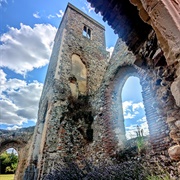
8	162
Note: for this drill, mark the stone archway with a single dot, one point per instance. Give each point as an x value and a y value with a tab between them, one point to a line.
20	140
113	113
18	146
133	109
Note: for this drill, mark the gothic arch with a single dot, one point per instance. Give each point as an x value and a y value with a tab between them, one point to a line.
113	113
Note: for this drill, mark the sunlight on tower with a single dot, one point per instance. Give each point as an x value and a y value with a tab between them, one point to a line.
133	108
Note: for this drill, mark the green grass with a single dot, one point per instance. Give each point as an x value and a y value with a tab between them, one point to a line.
6	176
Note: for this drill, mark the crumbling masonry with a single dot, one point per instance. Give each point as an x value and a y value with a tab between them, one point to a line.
80	110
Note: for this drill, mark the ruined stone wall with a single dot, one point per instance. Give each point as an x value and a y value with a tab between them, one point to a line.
74	124
163	16
20	140
63	128
146	65
159	66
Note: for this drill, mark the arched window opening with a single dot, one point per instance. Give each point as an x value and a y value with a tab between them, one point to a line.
78	79
8	161
84	31
133	109
87	32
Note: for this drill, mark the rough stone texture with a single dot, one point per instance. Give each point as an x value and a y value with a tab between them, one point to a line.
164	18
74	124
123	65
174	152
175	89
20	140
64	126
162	71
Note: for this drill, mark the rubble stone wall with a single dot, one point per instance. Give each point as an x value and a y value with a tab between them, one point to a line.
74	124
163	16
64	126
20	140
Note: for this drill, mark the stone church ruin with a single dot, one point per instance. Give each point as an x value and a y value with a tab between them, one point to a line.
80	110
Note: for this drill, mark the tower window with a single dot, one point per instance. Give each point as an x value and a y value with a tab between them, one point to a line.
87	32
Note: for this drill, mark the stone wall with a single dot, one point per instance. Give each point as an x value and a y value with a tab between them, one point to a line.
162	66
64	127
20	140
163	16
122	65
76	123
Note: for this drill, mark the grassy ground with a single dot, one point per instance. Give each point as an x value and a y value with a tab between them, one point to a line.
6	176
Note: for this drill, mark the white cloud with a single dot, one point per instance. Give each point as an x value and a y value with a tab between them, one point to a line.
88	6
127	110
2	78
110	50
12	84
36	15
27	48
51	16
132	129
131	109
128	115
60	15
142	119
137	106
8	113
84	9
88	9
144	126
13	128
19	101
2	1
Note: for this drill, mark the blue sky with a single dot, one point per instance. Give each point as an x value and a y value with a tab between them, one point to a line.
26	39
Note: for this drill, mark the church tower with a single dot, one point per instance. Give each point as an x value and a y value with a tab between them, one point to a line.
77	65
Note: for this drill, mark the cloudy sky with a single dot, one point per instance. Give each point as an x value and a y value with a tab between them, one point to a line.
26	40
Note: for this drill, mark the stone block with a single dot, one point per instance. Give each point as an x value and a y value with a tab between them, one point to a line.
170	119
175	89
174	152
177	123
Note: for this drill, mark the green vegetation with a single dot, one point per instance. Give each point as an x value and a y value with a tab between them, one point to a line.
7	177
8	163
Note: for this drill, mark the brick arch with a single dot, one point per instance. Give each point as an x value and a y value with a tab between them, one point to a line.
113	112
